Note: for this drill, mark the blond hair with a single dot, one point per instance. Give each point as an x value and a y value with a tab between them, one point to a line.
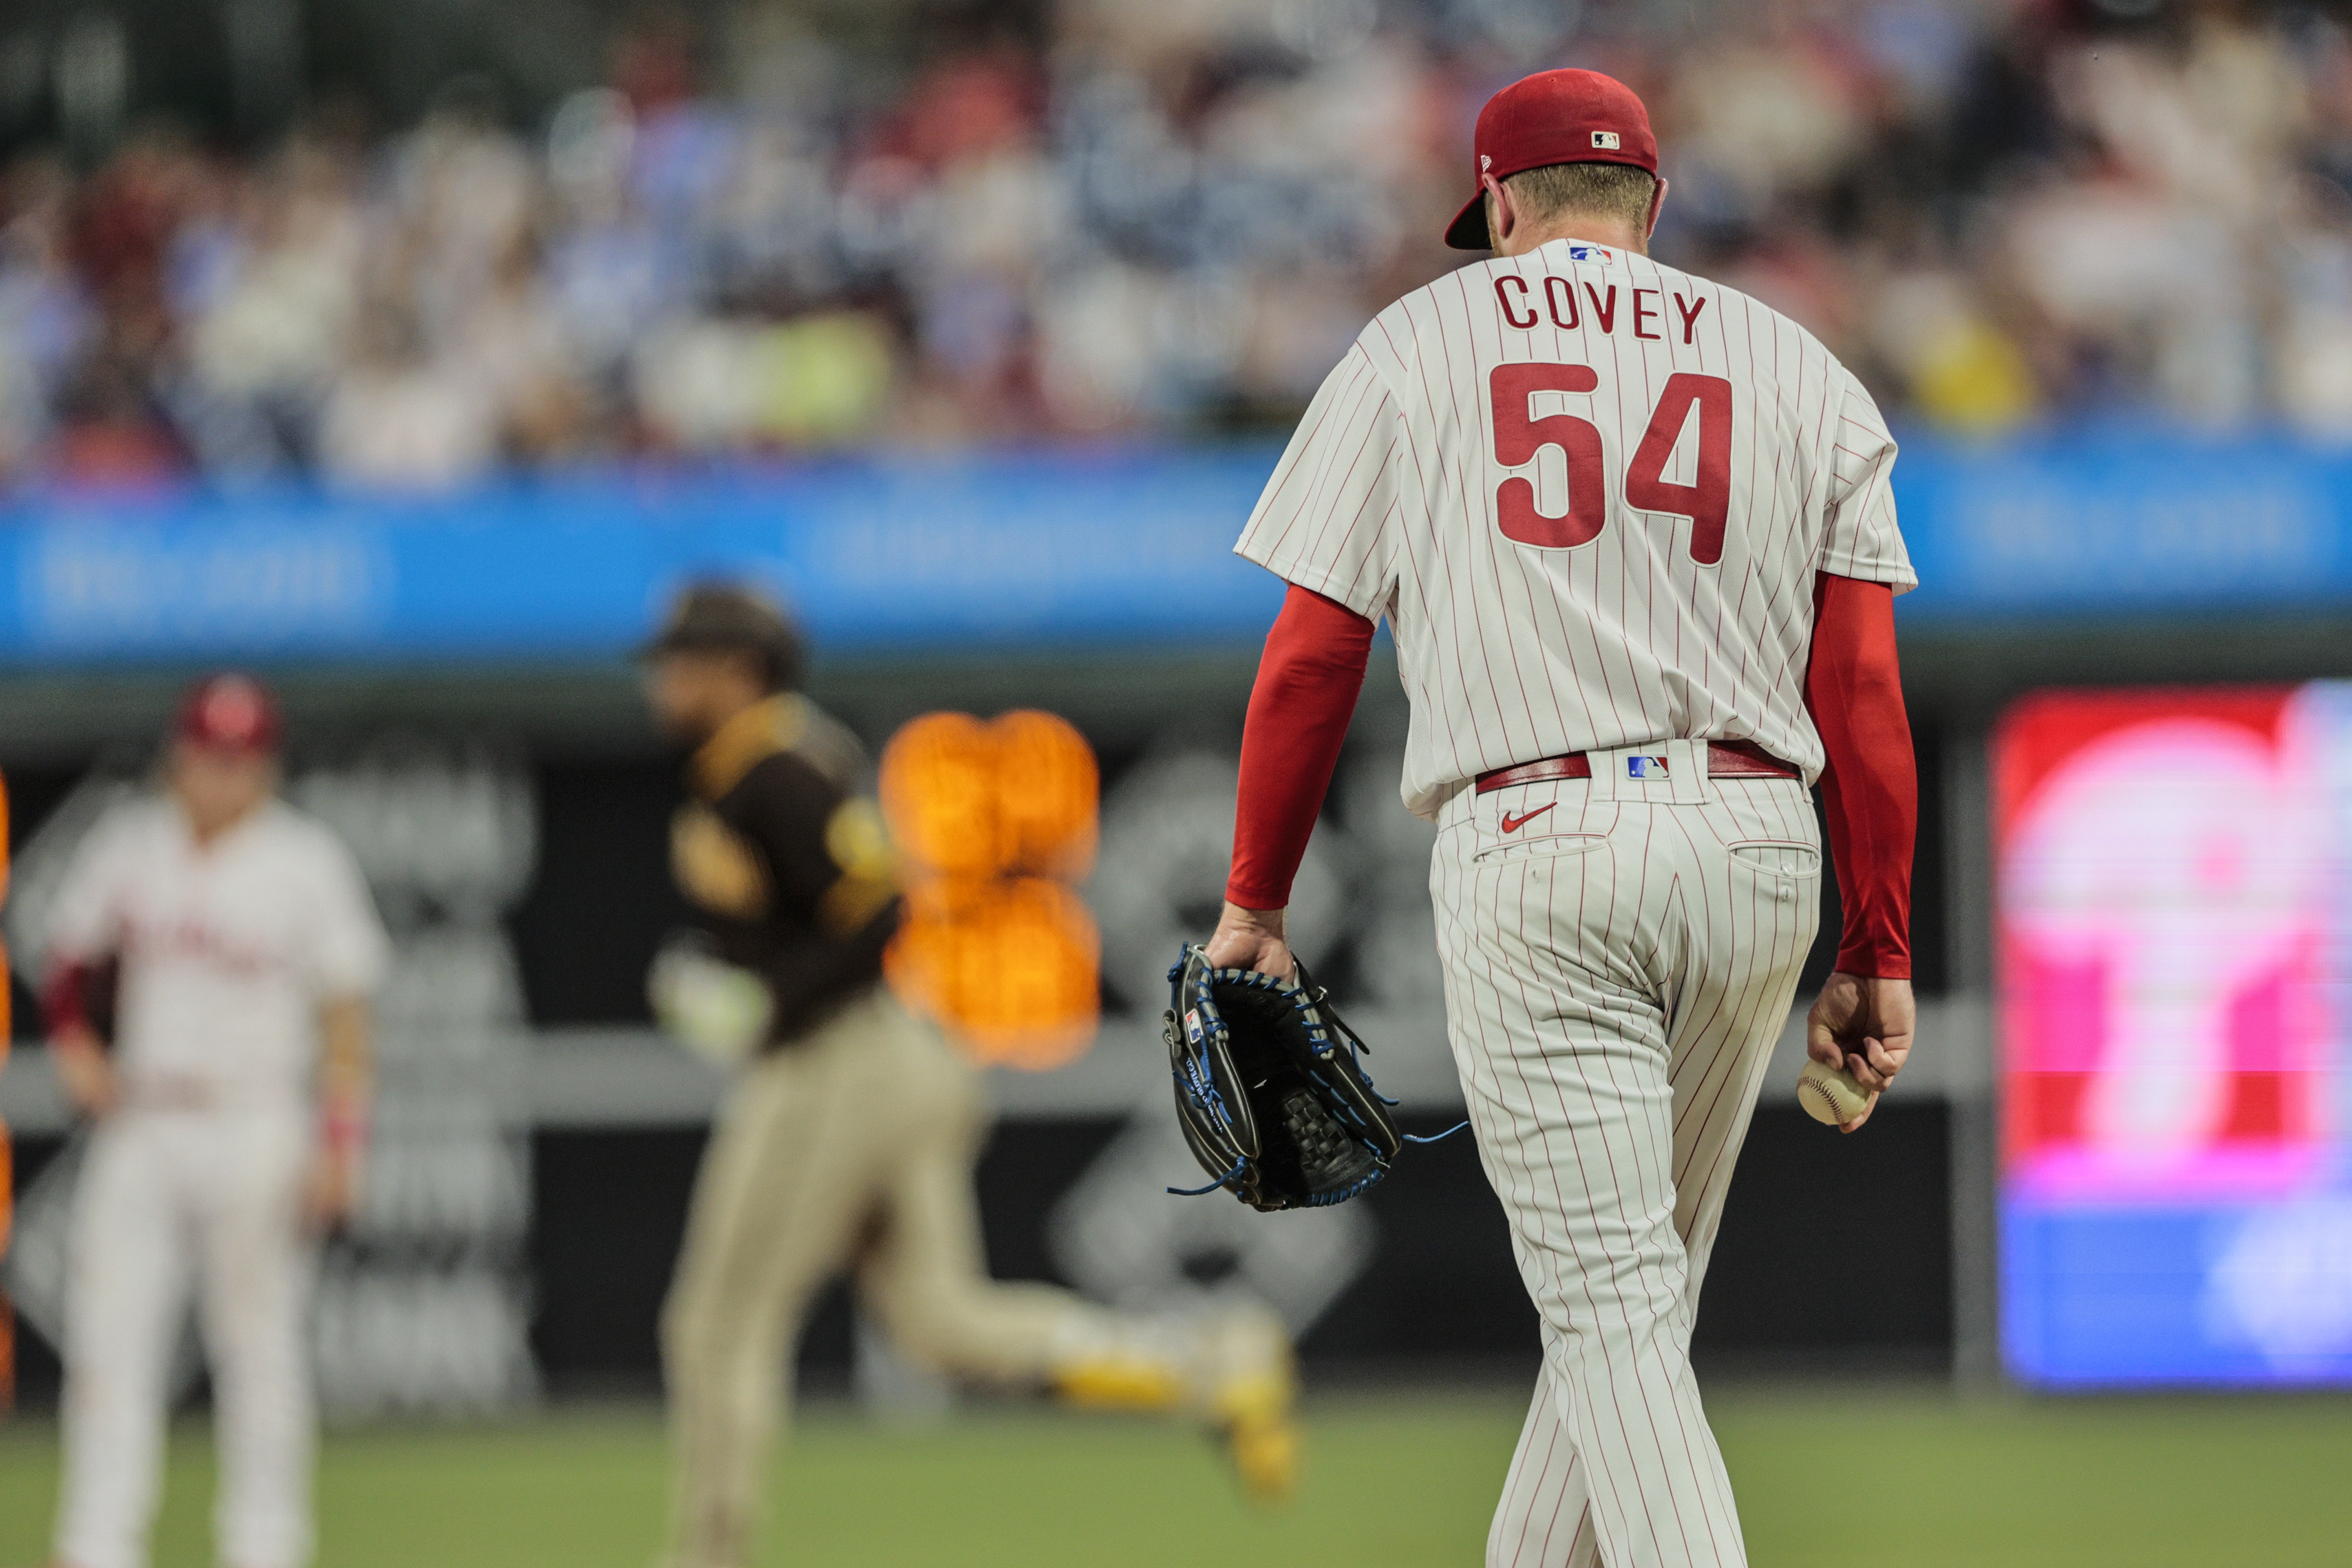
1600	190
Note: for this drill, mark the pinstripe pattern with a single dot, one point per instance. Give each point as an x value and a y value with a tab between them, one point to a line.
1386	502
1616	972
1616	969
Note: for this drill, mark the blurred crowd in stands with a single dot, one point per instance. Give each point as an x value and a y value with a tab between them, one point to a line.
1168	217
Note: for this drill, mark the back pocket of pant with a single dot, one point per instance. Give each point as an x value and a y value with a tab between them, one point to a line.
1549	846
1782	860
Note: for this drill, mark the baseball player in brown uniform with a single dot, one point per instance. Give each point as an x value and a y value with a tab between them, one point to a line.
848	1140
1633	532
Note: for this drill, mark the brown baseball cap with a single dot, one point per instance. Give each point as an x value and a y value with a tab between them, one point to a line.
731	618
1551	117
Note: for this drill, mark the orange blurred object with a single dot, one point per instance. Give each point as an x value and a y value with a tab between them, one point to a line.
970	799
994	819
939	794
1047	791
1008	965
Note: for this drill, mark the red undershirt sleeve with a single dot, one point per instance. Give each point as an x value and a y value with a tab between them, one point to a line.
63	1009
1308	683
1870	788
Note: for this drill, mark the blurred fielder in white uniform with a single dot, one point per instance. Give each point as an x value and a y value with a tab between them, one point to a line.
1634	534
229	1110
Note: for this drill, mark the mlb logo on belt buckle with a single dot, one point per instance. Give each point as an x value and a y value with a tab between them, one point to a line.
1645	767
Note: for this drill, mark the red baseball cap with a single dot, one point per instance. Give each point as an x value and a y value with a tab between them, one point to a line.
1552	117
230	713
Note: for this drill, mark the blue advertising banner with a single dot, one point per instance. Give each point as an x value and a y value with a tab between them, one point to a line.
1035	550
2126	522
1024	550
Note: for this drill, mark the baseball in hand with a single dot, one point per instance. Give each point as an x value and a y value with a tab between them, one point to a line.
1830	1095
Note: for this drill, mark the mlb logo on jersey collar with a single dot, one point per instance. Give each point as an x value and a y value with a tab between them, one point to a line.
1578	251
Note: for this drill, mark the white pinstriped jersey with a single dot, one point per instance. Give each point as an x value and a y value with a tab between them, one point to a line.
227	950
1590	494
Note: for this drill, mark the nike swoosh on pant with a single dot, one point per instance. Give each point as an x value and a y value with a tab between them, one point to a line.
1513	824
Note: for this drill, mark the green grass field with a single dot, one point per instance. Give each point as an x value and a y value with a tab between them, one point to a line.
1888	1479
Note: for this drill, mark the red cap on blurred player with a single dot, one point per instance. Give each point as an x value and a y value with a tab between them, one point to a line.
229	713
1552	117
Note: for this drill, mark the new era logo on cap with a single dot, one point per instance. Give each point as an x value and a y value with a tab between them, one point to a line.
1605	139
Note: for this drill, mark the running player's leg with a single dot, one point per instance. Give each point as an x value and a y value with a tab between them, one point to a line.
926	1276
254	1268
126	1286
925	1271
784	1185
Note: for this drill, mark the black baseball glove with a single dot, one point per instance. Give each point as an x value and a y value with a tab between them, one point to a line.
1269	1091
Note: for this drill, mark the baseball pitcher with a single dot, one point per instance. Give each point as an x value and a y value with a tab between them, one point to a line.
848	1141
229	1108
1633	533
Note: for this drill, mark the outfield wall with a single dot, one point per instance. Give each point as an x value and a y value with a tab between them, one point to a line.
455	674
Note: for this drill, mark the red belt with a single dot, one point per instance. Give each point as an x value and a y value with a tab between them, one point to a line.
1725	760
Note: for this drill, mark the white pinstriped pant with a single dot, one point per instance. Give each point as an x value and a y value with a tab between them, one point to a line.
168	1198
1617	968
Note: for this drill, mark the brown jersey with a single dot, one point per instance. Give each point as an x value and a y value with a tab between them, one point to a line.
788	868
